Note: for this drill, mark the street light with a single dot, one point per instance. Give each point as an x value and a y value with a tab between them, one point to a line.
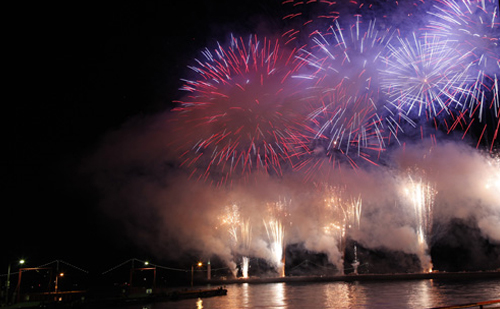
151	267
199	264
7	286
57	281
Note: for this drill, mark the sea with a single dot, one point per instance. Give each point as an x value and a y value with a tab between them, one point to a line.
427	293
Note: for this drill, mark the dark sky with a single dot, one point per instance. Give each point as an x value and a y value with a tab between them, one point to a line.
75	71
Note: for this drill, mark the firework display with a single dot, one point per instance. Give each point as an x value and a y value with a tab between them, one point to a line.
240	114
422	78
474	27
343	214
420	194
341	91
239	233
346	94
277	213
344	121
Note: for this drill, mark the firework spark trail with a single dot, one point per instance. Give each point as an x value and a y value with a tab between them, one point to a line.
344	120
475	26
245	265
246	239
354	215
277	212
230	220
303	18
346	127
346	60
421	195
306	17
238	116
422	78
343	214
246	235
276	234
240	233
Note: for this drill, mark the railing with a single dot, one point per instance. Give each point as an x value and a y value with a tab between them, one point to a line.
482	305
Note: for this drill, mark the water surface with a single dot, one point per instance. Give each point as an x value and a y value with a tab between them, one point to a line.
383	294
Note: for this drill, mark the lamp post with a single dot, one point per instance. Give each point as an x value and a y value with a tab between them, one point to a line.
199	264
7	285
57	281
146	263
209	271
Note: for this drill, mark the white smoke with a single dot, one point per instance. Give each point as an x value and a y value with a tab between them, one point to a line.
170	214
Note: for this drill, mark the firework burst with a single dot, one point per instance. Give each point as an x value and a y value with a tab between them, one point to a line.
423	79
343	67
475	27
239	113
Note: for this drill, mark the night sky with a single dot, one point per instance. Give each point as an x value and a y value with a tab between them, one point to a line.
77	71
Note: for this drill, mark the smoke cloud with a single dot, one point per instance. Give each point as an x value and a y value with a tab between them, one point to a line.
170	214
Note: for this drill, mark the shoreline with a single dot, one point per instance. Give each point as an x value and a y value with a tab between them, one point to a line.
161	294
360	277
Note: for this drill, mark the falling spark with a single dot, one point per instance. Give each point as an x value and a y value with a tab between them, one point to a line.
343	214
421	195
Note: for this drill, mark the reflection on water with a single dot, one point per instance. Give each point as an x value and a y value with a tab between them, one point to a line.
381	294
406	294
278	291
199	304
420	294
357	295
244	294
339	295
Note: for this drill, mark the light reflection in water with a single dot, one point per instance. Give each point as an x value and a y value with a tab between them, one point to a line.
420	294
278	290
357	293
337	295
244	296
